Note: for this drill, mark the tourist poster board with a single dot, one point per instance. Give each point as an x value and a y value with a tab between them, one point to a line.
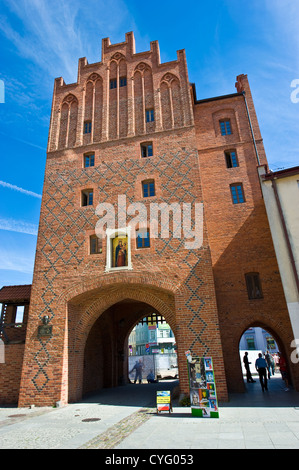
203	395
164	401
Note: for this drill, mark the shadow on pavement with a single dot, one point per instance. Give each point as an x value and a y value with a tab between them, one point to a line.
276	396
141	395
144	395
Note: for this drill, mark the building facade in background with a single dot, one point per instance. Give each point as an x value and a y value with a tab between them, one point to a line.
149	338
131	131
258	339
281	196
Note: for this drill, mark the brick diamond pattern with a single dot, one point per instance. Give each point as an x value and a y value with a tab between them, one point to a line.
63	223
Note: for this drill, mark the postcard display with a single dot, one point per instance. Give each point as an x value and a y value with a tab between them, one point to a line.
203	397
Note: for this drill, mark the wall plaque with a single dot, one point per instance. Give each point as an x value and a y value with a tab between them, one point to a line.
45	330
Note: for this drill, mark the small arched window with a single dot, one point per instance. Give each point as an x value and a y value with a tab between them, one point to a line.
146	149
225	127
87	197
148	188
95	245
231	158
143	238
237	193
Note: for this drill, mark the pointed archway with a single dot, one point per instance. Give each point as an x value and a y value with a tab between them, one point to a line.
97	352
260	339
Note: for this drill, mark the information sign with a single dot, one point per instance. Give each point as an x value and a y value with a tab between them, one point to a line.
164	401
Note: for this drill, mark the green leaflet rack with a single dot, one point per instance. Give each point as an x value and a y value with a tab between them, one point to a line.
203	394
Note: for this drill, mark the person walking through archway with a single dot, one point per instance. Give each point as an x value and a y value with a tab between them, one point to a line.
247	367
261	367
268	358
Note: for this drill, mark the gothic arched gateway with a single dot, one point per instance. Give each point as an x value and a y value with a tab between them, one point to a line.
131	129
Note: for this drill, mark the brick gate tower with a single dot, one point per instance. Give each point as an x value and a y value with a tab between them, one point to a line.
131	131
125	129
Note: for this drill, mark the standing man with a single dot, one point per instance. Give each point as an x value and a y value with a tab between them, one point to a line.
261	367
138	371
268	360
246	364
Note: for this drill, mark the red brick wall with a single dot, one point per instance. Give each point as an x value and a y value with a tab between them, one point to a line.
10	374
63	260
239	234
70	285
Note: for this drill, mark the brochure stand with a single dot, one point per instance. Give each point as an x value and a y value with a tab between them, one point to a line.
203	396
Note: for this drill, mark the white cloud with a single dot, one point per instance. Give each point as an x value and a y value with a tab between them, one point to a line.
19	226
12	261
49	33
285	15
21	190
56	33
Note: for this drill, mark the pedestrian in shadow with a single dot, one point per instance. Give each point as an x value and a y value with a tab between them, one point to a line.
272	364
247	367
151	378
261	367
138	371
283	370
268	361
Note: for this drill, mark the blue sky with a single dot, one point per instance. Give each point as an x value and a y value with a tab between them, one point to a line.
43	39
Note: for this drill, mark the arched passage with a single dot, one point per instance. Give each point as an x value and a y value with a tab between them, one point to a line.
233	366
153	344
97	344
260	338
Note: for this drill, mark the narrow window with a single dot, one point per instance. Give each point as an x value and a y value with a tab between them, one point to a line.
148	188
225	127
146	150
250	342
87	127
237	193
88	160
95	245
143	238
231	159
123	81
87	197
113	83
150	115
19	317
253	285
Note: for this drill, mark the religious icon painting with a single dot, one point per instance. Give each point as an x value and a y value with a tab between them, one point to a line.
120	251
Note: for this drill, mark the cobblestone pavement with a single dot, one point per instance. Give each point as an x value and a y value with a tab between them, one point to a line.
100	421
126	418
120	431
